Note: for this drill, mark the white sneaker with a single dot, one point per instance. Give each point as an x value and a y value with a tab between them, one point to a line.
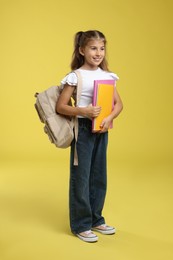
105	229
87	236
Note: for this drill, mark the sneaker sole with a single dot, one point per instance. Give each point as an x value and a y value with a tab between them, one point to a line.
88	239
105	232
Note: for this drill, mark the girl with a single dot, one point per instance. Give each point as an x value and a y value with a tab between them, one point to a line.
88	179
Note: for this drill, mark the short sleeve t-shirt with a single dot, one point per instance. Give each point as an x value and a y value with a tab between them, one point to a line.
88	77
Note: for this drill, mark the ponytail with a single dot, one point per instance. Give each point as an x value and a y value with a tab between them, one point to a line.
77	39
77	58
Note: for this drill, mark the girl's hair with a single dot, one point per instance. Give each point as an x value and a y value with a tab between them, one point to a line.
81	40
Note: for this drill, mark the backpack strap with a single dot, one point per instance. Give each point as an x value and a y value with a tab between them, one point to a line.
78	95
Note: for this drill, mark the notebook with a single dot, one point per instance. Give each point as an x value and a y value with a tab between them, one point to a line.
103	96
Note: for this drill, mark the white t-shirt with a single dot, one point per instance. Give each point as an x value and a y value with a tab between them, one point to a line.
88	77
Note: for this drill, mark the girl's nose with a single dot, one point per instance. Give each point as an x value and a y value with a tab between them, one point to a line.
98	52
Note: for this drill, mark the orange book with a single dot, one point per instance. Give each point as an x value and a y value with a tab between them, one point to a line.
103	96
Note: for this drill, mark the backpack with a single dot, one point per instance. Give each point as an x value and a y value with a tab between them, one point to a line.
60	129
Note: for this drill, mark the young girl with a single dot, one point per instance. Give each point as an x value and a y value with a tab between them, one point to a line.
88	180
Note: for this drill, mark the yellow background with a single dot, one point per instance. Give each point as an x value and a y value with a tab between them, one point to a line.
35	52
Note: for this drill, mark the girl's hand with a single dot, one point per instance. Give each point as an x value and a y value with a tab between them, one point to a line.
92	111
105	124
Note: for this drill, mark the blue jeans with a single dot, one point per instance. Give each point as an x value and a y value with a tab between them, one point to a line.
88	180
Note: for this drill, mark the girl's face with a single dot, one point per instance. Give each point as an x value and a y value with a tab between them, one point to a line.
94	53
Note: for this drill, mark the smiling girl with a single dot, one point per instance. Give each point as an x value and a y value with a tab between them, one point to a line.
88	180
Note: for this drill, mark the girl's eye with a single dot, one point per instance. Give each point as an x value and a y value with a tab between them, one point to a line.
95	48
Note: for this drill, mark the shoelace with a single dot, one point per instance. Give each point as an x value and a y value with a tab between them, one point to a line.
88	232
104	225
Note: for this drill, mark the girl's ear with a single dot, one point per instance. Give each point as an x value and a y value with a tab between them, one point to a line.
81	51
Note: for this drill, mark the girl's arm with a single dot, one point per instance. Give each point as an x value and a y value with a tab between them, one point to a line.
118	106
63	107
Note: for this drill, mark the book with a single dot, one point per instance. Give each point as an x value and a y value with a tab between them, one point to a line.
103	96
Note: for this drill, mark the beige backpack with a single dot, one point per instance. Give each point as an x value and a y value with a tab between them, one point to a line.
60	129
